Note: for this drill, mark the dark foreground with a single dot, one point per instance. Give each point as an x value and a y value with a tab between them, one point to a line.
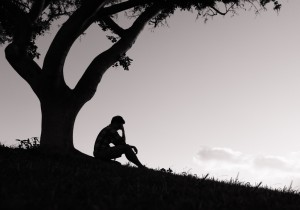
29	180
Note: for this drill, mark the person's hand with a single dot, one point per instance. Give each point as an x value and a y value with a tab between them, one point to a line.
134	149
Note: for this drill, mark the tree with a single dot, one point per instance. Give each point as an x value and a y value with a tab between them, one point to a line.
22	21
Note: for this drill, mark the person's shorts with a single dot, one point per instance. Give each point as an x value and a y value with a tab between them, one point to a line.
110	152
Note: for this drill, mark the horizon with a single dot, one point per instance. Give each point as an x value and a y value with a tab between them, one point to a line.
219	98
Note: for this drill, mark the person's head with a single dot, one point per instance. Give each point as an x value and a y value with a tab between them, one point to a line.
117	121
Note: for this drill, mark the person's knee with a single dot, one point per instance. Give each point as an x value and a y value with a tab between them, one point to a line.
123	148
127	148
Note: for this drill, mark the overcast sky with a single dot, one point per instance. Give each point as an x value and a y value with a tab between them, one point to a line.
219	98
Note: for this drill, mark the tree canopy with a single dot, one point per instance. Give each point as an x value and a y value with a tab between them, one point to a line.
28	19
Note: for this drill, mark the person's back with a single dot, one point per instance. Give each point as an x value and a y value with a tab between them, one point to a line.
107	136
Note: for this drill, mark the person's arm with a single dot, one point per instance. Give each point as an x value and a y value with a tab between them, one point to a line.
123	135
117	139
124	140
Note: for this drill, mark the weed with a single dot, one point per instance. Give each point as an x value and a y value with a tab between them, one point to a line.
29	143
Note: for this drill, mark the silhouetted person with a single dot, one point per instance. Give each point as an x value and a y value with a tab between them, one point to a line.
108	135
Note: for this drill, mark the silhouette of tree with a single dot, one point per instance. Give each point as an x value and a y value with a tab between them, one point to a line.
22	21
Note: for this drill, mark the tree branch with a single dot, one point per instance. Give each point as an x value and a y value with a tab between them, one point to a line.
27	68
22	29
88	83
66	36
113	26
226	10
116	8
15	52
37	8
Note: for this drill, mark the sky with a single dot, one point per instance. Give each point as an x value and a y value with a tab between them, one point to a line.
218	98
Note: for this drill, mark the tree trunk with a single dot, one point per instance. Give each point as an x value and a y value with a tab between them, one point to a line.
58	118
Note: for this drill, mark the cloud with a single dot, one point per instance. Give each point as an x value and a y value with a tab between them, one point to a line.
277	171
221	154
272	162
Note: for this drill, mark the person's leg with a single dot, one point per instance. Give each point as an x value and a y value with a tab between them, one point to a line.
117	151
131	156
108	154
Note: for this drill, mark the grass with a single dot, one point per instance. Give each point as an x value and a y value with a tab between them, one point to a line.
29	180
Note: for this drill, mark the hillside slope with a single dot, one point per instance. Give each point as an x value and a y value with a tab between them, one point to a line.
29	180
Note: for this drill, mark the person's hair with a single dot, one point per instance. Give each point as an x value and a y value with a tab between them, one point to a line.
117	119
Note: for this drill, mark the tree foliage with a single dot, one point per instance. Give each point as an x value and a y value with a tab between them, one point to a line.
38	15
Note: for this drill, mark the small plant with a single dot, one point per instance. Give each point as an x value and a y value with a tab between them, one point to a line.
169	170
29	143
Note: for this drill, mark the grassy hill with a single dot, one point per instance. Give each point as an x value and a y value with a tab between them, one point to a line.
29	180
